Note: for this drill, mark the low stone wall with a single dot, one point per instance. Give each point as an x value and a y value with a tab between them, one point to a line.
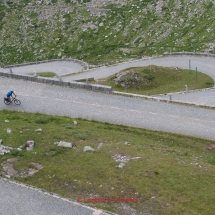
189	53
73	84
84	64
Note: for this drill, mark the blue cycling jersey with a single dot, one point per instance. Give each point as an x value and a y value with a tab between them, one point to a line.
9	93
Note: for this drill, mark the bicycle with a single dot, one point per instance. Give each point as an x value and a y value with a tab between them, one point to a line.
7	101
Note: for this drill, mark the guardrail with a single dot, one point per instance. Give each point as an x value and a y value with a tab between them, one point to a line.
84	64
189	53
73	84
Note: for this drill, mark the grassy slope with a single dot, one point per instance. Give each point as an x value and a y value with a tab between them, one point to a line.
31	33
175	174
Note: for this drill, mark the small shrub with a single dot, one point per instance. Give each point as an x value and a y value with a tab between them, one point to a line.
209	83
16	152
41	121
212	160
68	126
80	136
186	153
150	77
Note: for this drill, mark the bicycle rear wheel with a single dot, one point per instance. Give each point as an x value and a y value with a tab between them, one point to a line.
6	102
17	102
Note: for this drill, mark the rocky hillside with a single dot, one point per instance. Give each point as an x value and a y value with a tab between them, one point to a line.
103	31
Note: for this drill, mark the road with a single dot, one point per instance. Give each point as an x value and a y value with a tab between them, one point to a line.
19	199
116	109
203	64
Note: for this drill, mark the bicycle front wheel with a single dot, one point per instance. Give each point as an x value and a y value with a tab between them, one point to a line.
17	102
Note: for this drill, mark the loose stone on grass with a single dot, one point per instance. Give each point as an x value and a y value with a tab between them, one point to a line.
9	130
64	144
5	149
121	165
88	149
29	145
39	130
123	159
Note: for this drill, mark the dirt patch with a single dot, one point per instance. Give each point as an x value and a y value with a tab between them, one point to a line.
211	147
11	172
8	167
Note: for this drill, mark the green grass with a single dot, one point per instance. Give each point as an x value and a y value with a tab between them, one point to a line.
44	74
175	174
154	80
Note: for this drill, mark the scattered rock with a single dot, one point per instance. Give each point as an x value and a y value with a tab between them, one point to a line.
75	122
1	142
121	165
64	144
6	120
100	145
2	174
5	149
31	171
29	145
39	130
9	130
88	149
211	147
120	158
8	168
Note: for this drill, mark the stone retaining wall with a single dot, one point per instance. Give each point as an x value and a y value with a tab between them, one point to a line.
73	84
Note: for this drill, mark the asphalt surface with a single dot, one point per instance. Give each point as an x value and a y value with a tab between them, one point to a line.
19	199
60	68
137	112
203	64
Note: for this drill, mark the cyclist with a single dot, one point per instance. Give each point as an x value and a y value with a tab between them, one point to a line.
9	95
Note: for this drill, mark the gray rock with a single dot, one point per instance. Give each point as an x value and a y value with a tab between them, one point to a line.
1	142
8	130
6	120
5	149
29	145
64	144
121	165
88	149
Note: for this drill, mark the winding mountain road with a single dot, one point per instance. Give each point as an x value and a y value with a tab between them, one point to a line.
117	109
